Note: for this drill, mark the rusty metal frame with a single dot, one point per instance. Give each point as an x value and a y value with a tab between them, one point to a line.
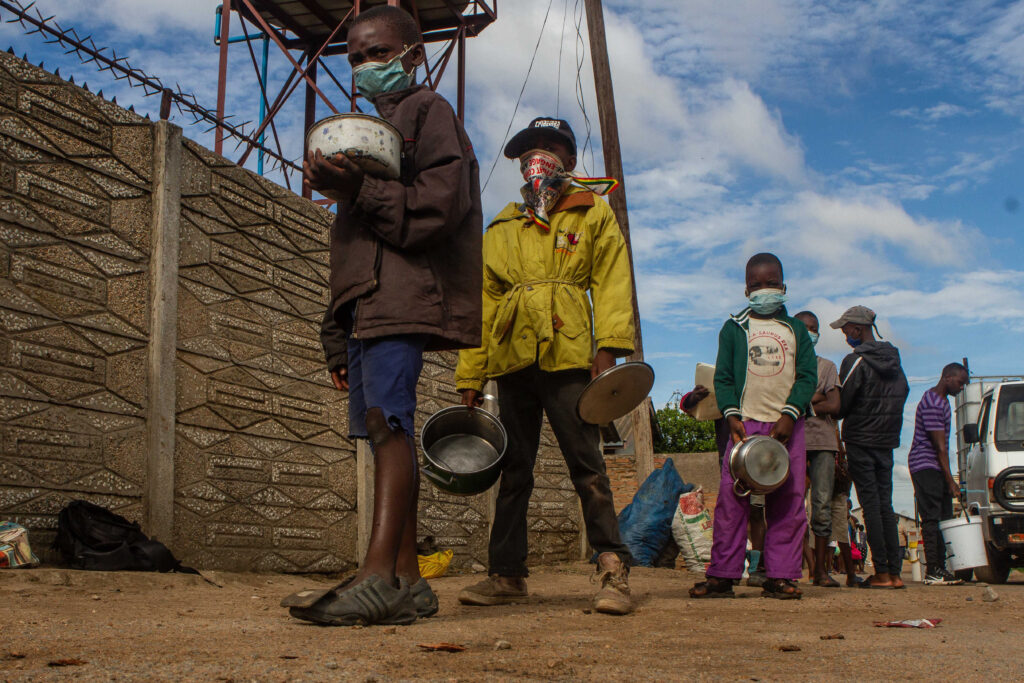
107	59
289	36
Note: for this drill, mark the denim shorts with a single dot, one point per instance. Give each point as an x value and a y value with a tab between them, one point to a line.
382	373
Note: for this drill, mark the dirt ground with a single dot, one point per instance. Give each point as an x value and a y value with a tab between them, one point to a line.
124	626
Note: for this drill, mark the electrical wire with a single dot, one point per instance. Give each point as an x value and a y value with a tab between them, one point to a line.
526	80
581	46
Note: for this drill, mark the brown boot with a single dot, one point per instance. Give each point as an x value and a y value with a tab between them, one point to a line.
495	590
613	598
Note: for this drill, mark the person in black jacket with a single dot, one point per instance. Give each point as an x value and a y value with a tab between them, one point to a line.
872	392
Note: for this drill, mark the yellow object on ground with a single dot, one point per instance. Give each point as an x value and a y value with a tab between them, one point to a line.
435	564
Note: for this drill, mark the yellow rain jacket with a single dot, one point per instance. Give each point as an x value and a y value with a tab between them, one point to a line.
535	304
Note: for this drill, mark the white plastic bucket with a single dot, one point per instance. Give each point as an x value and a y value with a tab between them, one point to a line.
965	543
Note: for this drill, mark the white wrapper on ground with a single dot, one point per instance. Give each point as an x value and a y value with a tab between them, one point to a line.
692	530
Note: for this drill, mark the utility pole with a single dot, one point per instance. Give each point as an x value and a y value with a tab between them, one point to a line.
642	439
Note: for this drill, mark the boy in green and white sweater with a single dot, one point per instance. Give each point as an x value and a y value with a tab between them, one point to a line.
765	376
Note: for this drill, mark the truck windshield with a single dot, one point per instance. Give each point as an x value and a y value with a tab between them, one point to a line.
1010	418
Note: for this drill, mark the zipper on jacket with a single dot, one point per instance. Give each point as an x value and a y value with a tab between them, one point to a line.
373	285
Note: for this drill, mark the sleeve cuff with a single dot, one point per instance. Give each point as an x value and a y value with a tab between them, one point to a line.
369	195
732	412
336	361
466	384
792	411
620	346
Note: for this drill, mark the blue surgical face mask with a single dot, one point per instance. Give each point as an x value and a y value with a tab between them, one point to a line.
767	301
814	337
377	78
854	343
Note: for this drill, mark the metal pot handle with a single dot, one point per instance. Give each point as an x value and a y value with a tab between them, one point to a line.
737	491
439	477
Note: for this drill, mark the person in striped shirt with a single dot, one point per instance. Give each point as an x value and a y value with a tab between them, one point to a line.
928	461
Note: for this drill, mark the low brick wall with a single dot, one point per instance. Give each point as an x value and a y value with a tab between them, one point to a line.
700	469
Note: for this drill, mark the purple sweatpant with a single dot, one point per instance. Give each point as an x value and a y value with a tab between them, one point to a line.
784	513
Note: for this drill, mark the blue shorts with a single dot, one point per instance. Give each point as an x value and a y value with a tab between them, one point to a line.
382	373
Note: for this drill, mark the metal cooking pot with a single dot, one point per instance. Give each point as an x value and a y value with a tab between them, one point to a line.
372	143
463	449
758	465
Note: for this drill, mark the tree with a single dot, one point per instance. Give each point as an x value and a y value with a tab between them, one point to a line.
680	433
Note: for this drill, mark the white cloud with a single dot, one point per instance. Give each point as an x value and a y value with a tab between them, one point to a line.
942	110
841	230
752	134
143	17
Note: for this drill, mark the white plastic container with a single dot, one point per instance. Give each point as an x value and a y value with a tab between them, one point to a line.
965	543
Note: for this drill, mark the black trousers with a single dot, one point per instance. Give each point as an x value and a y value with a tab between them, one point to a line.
871	471
934	504
523	398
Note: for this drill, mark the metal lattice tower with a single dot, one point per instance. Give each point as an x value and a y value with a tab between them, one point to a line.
307	31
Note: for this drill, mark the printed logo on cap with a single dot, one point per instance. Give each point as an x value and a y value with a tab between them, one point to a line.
547	123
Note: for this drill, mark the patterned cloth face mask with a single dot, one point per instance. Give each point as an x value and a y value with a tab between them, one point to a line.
546	181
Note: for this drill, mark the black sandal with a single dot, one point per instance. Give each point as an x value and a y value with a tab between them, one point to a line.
712	588
781	589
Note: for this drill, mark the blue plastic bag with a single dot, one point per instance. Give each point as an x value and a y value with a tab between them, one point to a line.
646	523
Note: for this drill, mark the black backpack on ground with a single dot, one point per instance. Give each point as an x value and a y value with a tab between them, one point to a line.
92	537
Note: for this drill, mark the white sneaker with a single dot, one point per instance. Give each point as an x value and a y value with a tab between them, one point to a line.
942	577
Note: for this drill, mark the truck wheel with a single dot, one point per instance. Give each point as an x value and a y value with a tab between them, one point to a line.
998	569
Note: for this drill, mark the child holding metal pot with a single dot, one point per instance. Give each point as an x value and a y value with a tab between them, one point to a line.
765	376
404	278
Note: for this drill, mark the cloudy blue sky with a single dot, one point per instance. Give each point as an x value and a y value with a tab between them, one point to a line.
874	146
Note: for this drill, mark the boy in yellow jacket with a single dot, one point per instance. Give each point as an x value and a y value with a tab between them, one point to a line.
540	331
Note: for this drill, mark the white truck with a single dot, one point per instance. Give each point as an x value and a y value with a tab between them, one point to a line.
990	458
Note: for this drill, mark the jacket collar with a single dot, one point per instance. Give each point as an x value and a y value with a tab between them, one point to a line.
743	317
388	102
572	198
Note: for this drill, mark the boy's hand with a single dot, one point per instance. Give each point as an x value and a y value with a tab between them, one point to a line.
340	378
783	429
338	173
472	398
698	394
737	430
603	360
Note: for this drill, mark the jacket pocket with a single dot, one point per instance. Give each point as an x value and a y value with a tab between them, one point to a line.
569	317
504	317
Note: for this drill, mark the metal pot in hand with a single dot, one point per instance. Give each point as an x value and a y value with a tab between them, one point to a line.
760	464
463	448
372	143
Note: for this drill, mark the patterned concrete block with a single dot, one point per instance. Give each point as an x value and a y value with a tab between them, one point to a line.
264	474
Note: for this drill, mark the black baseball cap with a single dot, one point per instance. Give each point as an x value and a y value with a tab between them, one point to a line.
523	140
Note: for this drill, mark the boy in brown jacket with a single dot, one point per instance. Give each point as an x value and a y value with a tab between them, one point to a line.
405	278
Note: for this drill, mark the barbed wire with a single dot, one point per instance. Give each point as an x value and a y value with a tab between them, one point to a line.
107	59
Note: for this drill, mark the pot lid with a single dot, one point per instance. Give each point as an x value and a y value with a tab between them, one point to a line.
615	392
